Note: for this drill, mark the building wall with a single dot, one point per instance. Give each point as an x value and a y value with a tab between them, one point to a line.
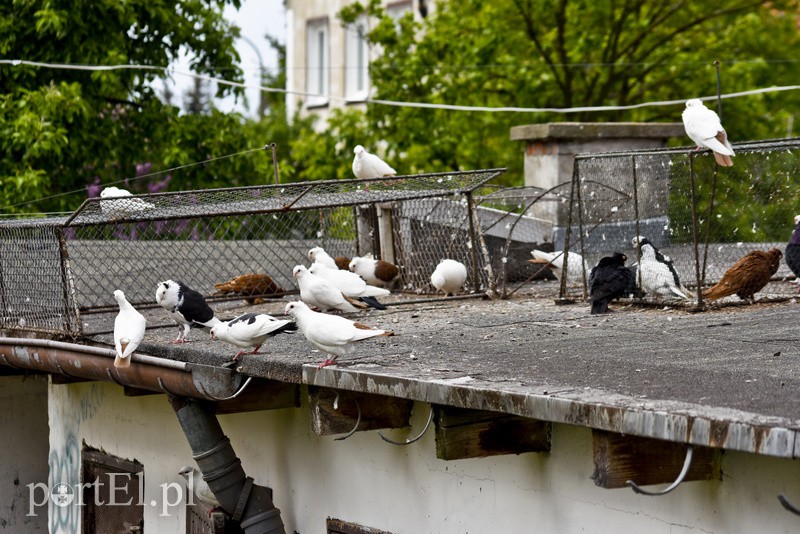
298	13
405	489
23	442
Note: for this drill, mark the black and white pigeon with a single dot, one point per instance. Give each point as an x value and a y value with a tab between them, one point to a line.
792	253
197	484
129	327
319	293
659	277
332	334
366	165
351	285
251	330
703	126
609	280
185	306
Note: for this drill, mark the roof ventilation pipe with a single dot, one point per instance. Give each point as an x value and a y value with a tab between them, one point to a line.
222	470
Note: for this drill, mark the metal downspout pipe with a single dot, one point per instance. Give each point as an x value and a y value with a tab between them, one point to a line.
222	470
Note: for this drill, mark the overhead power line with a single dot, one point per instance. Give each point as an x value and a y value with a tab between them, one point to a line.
396	103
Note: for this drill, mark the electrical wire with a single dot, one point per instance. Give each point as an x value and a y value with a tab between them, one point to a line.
398	103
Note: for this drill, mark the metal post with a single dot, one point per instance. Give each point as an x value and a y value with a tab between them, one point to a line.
694	234
274	148
638	232
474	238
562	291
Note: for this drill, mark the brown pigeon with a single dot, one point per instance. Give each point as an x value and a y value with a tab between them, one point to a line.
252	286
747	276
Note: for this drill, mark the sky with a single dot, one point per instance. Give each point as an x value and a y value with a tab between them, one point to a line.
255	18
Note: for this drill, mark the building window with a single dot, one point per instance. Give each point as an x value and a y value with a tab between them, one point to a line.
112	493
398	9
317	58
356	62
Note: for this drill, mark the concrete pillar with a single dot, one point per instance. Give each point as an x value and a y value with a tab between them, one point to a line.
550	150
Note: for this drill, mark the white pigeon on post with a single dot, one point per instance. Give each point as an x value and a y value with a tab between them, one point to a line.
375	272
126	205
331	334
251	330
703	126
319	293
366	165
449	276
185	306
129	327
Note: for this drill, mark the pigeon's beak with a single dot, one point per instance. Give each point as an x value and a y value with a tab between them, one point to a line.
213	336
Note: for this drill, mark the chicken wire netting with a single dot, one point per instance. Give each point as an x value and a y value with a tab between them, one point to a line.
702	217
207	237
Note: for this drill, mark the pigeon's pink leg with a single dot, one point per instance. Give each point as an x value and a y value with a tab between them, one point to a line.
327	362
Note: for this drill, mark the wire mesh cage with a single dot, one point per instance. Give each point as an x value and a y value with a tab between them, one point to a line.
207	237
701	217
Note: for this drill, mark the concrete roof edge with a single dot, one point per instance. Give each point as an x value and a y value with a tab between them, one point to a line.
596	130
666	420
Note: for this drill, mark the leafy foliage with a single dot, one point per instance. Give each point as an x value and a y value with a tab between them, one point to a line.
567	53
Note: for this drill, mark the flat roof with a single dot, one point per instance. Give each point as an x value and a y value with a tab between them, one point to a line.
724	378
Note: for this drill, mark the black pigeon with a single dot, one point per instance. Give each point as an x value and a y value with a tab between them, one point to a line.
185	306
792	253
609	280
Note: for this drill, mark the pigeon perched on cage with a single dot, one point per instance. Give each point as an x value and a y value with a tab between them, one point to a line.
658	275
252	286
197	484
449	276
332	334
366	165
351	285
609	280
319	293
703	126
747	276
374	272
251	330
793	249
185	306
129	327
554	261
126	205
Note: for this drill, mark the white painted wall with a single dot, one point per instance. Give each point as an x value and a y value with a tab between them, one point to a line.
408	490
23	442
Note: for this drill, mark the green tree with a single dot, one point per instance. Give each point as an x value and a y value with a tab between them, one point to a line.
568	53
61	129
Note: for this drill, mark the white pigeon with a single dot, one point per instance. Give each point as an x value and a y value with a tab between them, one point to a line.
196	484
703	126
366	165
554	261
375	272
319	293
126	206
250	330
659	277
449	276
129	327
348	282
331	334
318	255
185	306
